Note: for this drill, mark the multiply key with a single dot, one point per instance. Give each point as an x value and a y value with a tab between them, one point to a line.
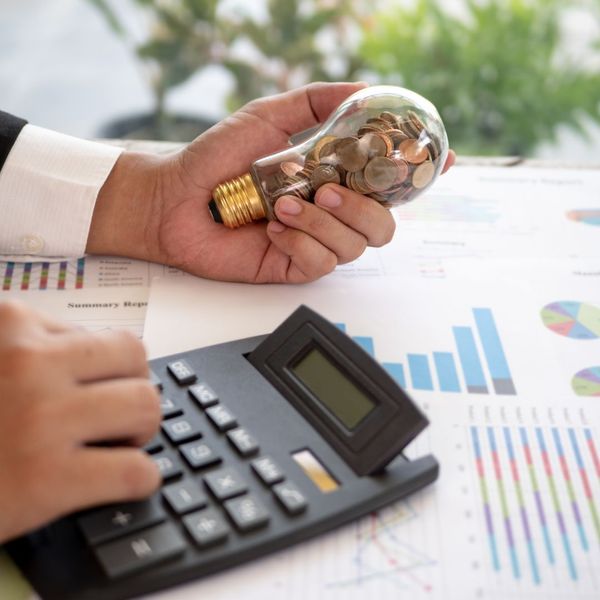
225	483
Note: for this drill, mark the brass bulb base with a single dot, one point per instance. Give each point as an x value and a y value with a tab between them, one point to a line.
237	202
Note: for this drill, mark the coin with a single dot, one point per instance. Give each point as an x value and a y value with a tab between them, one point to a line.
413	151
352	154
390	117
376	144
402	170
397	136
380	173
423	175
324	174
324	141
290	168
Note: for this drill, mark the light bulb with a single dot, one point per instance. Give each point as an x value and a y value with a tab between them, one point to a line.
385	142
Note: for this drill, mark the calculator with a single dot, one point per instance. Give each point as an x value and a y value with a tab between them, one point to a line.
265	442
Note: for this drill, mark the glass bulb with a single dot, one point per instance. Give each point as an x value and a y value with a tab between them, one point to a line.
385	142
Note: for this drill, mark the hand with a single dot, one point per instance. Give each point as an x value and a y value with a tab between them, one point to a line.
171	224
62	389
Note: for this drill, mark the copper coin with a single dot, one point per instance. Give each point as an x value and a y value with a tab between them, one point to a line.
423	175
376	145
352	154
324	174
415	120
397	136
389	117
402	170
360	183
413	151
380	173
290	168
324	141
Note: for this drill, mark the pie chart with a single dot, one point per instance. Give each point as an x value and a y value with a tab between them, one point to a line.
576	320
589	216
587	382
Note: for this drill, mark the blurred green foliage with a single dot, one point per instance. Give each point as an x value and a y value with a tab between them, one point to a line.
287	49
182	37
498	71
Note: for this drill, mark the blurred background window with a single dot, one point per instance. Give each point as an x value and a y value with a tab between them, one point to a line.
508	76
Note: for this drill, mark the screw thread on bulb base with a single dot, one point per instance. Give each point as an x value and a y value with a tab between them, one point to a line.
238	202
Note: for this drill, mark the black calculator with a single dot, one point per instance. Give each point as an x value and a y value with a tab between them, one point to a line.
265	442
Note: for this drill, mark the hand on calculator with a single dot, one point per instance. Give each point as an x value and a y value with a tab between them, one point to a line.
62	390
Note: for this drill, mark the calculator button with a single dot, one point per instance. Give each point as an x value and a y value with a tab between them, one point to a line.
247	513
180	429
182	372
141	550
242	441
169	408
155	380
108	523
207	527
167	465
184	496
203	394
225	483
199	454
267	469
291	498
154	445
222	418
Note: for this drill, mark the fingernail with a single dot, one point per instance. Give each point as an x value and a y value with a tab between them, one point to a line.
288	206
276	227
329	198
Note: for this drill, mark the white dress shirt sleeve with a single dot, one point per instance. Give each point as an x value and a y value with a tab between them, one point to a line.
48	189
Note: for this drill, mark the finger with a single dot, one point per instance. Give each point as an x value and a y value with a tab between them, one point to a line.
450	160
102	355
308	258
362	214
102	475
125	410
344	241
304	107
15	315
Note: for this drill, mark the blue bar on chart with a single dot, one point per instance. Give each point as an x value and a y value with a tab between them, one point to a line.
396	370
494	353
469	360
419	372
366	343
446	372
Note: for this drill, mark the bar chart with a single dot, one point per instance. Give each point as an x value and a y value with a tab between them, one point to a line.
61	275
478	364
539	494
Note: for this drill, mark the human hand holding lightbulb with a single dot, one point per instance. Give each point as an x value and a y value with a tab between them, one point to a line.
156	208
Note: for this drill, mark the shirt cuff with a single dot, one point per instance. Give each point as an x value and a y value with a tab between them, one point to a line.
48	189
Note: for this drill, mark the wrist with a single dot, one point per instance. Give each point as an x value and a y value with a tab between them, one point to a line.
126	213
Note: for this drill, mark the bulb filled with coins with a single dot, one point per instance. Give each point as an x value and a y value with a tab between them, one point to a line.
385	142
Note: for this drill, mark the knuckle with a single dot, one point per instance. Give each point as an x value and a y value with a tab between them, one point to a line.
140	476
147	405
13	311
385	233
319	220
326	265
132	346
23	359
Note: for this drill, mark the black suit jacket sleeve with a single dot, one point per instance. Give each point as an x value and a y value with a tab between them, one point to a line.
10	128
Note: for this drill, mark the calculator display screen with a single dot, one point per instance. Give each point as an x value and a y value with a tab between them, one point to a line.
333	389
